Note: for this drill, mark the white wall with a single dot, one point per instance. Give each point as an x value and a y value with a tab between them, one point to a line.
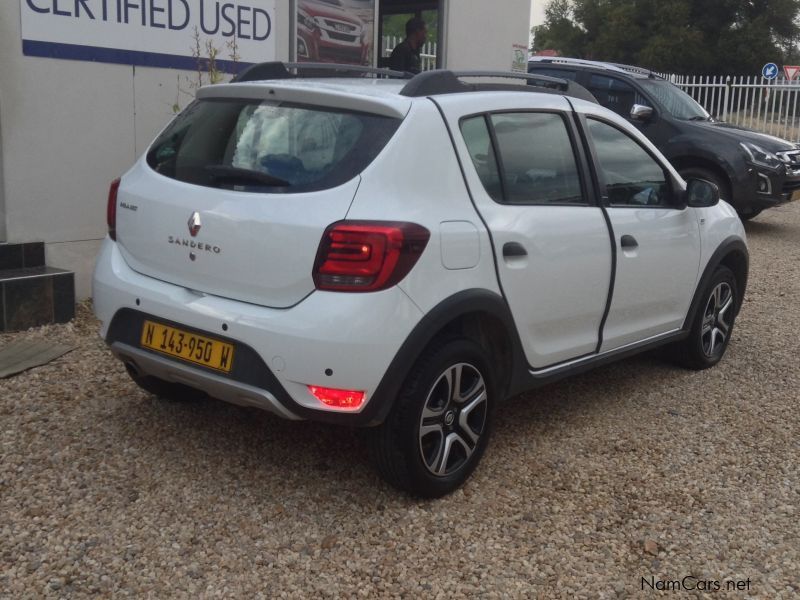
2	185
480	34
68	129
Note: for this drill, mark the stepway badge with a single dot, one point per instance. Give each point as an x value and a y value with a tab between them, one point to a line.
770	71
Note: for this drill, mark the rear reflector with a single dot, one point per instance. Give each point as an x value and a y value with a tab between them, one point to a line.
345	399
111	209
367	256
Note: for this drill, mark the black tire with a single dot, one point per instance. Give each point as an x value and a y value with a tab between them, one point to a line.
752	214
436	463
166	390
713	324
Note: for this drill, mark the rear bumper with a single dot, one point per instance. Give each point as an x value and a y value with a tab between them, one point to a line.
344	341
222	388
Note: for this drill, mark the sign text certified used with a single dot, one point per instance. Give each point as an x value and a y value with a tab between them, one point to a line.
157	33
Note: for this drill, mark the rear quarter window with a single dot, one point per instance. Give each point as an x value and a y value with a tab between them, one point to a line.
254	145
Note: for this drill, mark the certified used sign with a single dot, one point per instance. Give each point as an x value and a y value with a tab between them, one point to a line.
157	33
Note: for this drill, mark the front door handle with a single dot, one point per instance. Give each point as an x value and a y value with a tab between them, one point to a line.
628	241
514	250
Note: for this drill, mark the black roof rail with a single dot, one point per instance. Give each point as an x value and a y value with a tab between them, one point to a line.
433	83
428	83
281	70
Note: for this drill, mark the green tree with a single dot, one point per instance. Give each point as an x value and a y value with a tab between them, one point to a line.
559	31
680	36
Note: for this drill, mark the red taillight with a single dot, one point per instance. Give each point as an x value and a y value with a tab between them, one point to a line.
366	256
345	399
111	209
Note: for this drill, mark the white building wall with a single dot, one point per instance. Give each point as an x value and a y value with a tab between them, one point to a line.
2	185
481	35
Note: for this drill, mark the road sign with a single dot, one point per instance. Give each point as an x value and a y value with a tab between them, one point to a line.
790	71
770	71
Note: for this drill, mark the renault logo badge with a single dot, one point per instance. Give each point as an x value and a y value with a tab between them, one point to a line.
194	224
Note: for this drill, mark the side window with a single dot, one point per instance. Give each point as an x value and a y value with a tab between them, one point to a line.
615	94
536	159
561	73
632	177
479	143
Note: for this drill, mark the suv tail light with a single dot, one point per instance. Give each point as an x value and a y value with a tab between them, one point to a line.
366	256
111	209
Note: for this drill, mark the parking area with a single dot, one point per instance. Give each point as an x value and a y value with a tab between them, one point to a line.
603	485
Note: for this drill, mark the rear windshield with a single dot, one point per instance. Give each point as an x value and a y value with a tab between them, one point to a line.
252	145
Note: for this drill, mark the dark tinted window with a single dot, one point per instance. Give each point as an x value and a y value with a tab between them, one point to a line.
632	176
537	159
247	144
615	94
479	143
676	102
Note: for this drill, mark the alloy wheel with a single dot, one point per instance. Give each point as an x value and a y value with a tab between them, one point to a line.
453	419
717	320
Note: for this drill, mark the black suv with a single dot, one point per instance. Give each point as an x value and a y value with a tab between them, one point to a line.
753	171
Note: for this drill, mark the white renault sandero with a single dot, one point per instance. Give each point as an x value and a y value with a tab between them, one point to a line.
403	254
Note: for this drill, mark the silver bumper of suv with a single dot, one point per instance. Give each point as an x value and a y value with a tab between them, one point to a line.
791	184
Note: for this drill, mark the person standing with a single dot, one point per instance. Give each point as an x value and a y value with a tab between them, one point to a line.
406	55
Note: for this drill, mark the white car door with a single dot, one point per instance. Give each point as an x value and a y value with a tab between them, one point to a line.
525	170
657	241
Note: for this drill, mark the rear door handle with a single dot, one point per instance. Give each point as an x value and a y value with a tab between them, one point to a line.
628	241
514	249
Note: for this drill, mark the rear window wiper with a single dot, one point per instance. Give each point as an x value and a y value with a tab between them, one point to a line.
244	176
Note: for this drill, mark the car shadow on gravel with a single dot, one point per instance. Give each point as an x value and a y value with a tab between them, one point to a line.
265	456
587	397
247	444
756	228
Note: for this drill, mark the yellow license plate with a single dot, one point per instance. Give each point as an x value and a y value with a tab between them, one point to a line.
190	347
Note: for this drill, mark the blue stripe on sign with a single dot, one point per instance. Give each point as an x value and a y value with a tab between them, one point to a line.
121	57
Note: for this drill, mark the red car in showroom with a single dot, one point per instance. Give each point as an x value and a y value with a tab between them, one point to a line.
326	32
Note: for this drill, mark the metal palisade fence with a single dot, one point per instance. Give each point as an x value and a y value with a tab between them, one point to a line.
754	102
428	54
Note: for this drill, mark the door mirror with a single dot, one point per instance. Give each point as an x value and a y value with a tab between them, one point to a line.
701	193
641	113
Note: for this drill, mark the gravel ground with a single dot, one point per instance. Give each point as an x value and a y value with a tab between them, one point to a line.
637	470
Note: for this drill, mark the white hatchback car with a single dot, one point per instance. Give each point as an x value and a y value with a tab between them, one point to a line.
404	254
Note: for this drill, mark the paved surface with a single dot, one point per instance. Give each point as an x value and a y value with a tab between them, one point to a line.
635	475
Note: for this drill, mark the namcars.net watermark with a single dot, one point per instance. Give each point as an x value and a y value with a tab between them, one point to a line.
692	583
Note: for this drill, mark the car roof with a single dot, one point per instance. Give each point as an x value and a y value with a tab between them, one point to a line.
377	96
427	83
377	91
379	88
622	69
